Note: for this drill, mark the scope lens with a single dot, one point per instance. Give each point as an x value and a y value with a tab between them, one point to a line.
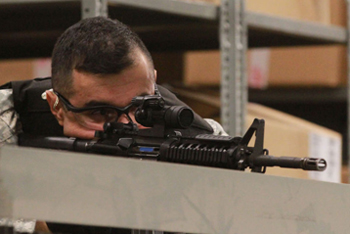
186	117
179	117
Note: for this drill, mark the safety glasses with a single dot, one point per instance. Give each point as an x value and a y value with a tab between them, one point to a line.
95	116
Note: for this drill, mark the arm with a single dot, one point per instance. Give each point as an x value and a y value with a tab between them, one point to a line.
9	128
8	118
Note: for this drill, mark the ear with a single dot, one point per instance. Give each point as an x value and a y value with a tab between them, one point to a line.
55	106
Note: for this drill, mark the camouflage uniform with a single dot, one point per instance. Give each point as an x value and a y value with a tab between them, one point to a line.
8	118
8	135
217	128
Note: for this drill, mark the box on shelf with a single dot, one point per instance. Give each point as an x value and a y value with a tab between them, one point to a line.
310	10
345	174
323	66
201	67
297	66
23	69
285	135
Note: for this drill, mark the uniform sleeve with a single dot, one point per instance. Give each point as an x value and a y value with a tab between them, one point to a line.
217	128
8	135
8	118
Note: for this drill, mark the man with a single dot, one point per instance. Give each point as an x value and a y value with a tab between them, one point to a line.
98	66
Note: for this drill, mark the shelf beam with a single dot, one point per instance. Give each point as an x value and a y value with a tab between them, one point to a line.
297	28
299	95
187	8
34	1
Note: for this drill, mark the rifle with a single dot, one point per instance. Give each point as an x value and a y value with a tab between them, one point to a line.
166	141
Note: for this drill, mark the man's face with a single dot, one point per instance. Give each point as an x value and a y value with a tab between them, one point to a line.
115	90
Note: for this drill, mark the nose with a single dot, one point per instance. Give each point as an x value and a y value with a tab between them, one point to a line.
123	119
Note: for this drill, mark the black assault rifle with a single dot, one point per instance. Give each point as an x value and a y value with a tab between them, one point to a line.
165	141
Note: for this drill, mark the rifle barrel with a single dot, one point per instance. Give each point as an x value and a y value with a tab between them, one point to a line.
315	164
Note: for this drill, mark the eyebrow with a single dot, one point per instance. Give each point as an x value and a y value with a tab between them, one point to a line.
94	103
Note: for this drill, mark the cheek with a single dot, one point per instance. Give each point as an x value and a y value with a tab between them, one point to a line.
72	128
78	132
141	127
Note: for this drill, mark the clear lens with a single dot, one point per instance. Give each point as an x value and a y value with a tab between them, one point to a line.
94	119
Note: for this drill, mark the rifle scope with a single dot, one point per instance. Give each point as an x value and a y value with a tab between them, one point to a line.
152	110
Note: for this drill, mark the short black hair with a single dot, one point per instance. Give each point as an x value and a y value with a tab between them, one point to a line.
97	45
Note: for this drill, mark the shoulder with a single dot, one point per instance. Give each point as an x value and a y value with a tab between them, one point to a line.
6	99
8	117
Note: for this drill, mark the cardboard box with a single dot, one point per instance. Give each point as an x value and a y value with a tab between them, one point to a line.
324	66
309	10
320	66
286	135
23	69
338	12
201	68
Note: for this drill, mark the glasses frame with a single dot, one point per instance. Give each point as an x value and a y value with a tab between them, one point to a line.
70	107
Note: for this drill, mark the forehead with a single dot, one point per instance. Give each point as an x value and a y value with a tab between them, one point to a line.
115	89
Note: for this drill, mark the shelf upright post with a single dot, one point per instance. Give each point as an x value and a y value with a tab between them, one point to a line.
233	45
92	8
348	84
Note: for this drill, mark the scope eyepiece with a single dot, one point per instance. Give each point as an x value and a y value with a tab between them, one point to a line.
178	117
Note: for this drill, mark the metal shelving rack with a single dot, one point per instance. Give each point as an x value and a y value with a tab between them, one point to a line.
227	26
